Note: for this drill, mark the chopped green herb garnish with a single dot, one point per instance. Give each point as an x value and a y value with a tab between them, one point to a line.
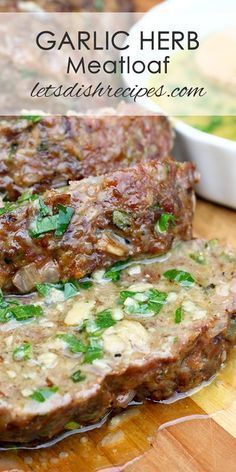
11	206
92	350
44	289
198	257
228	257
27	197
44	209
149	302
22	352
164	221
24	312
178	315
78	376
125	294
113	273
121	219
72	425
32	118
58	223
43	225
211	243
42	394
156	299
180	276
84	283
74	344
210	126
104	319
70	289
92	353
10	309
64	217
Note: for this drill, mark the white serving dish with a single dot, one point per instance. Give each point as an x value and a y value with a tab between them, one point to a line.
214	157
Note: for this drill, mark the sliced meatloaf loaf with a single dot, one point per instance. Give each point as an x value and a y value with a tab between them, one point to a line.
146	328
66	5
94	223
39	153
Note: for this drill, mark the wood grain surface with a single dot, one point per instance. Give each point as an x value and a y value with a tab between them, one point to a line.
194	434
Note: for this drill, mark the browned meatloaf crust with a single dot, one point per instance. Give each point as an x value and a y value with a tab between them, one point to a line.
53	150
139	348
67	5
115	216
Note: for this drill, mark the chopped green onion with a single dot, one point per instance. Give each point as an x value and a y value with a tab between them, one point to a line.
24	312
70	289
74	344
33	118
64	217
228	257
43	225
84	284
211	243
104	319
198	257
149	302
113	273
10	310
44	209
156	299
42	394
22	352
178	315
78	376
11	206
180	276
164	221
92	353
125	294
71	425
58	223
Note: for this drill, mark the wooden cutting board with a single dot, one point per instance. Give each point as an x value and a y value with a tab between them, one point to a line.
194	434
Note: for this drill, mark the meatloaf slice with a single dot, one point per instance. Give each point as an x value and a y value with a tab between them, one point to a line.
94	223
66	5
39	153
148	328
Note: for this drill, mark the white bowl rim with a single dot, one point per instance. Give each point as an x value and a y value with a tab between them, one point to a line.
204	136
180	125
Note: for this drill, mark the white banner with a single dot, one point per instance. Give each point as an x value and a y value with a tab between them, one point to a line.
69	63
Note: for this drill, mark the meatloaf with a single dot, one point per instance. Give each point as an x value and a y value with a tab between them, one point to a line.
46	152
147	328
95	222
66	5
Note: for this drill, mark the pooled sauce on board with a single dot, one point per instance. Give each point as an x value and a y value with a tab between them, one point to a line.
96	449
